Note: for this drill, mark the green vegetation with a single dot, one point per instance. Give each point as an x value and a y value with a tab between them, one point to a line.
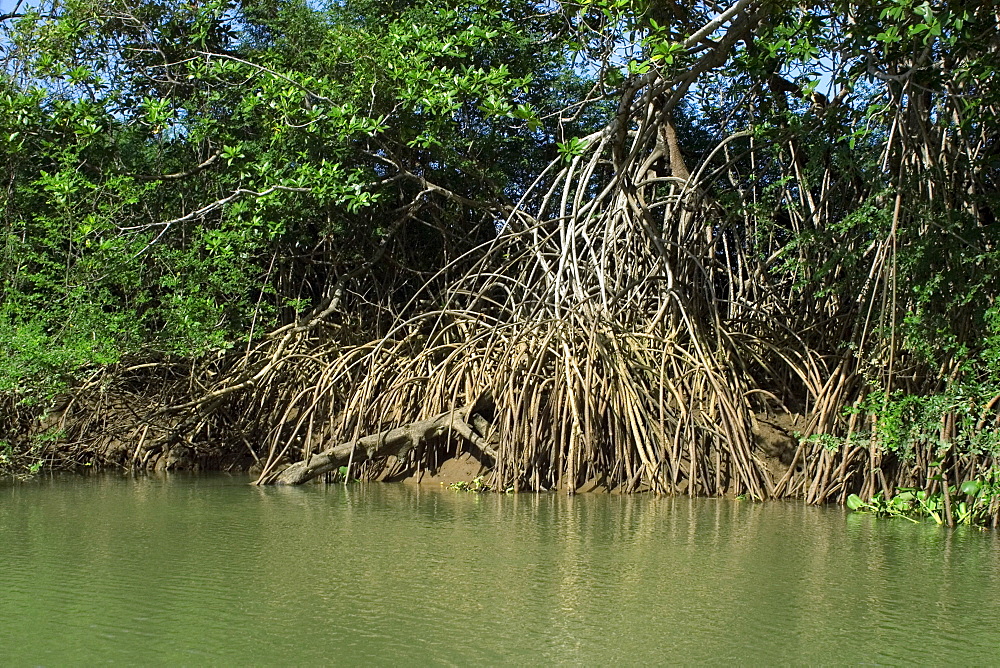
477	485
974	502
596	241
183	174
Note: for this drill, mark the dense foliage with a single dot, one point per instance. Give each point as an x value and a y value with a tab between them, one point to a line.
183	175
281	210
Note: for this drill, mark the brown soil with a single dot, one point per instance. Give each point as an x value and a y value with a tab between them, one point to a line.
463	468
774	436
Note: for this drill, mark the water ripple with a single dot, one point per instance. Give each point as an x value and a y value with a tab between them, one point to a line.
207	570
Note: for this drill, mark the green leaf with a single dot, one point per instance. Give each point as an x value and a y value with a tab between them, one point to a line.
971	487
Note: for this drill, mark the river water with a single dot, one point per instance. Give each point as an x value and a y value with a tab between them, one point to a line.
196	570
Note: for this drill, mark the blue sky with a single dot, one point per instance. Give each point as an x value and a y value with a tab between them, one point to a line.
8	5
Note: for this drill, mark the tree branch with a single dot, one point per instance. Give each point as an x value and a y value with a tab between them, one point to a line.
396	442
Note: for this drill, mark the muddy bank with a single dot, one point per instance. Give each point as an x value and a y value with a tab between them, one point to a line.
458	446
108	432
116	438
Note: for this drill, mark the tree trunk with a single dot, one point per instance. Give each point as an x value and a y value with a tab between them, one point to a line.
398	442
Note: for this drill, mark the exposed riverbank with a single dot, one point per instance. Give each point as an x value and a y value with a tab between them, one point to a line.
955	489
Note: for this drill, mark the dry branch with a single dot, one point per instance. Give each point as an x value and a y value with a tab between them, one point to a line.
396	442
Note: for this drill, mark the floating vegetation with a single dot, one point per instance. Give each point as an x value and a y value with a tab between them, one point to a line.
477	485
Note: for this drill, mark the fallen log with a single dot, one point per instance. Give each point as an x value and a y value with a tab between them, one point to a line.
398	442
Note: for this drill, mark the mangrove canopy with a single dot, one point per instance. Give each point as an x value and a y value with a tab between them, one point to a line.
745	249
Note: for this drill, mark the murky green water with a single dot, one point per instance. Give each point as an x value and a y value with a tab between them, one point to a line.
209	570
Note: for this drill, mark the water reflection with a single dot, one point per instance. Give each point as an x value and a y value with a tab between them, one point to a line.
211	569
